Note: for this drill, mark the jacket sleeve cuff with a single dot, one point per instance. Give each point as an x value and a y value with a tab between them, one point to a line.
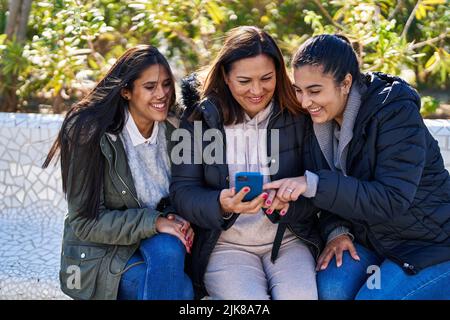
312	180
153	217
339	231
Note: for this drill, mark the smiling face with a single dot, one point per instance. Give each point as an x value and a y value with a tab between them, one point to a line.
252	82
319	94
149	99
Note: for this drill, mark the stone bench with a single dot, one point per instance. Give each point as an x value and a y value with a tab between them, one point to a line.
32	205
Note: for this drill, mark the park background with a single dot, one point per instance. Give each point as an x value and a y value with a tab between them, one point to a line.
53	52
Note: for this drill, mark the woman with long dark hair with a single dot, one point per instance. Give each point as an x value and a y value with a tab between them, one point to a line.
375	171
122	239
261	248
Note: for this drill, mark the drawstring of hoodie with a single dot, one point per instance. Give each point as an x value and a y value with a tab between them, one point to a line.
247	151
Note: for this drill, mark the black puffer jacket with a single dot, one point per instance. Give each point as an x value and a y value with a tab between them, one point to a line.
397	192
195	188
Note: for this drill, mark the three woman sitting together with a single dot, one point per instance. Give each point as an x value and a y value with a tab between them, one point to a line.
352	179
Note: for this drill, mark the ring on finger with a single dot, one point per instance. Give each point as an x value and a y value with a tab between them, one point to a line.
289	190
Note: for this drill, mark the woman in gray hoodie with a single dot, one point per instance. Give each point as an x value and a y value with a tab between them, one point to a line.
377	175
243	251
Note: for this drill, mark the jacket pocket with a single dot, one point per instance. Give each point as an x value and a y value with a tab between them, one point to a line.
113	200
80	265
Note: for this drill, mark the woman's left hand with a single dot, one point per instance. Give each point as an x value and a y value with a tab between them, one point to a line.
336	247
185	228
273	203
289	189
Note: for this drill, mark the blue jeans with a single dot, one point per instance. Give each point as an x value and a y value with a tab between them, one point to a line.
353	281
162	275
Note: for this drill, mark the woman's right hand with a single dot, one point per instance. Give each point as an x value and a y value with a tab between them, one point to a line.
230	201
289	189
178	227
336	248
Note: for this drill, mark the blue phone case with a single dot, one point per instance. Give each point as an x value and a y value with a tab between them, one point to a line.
253	180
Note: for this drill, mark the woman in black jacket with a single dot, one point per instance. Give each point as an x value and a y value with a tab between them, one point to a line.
375	171
246	92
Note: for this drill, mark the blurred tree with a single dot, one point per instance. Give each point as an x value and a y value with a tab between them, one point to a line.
12	61
16	27
3	11
70	44
405	38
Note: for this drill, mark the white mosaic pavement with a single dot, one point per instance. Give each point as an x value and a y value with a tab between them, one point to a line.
32	206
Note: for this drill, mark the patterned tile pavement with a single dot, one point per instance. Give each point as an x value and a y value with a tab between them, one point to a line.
32	208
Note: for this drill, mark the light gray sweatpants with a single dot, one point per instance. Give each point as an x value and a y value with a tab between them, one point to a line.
235	273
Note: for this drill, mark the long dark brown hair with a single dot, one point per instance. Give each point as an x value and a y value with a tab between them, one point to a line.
101	111
245	42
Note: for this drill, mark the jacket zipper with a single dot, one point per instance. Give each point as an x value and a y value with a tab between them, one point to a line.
115	168
380	250
116	247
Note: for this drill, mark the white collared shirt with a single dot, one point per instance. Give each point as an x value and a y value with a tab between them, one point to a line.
136	137
148	160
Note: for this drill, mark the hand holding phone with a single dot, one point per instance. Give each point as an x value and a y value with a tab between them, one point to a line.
247	196
253	180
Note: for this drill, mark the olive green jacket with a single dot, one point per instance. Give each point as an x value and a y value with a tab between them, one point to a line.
95	251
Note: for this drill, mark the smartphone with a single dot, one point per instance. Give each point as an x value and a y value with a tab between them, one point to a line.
253	180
